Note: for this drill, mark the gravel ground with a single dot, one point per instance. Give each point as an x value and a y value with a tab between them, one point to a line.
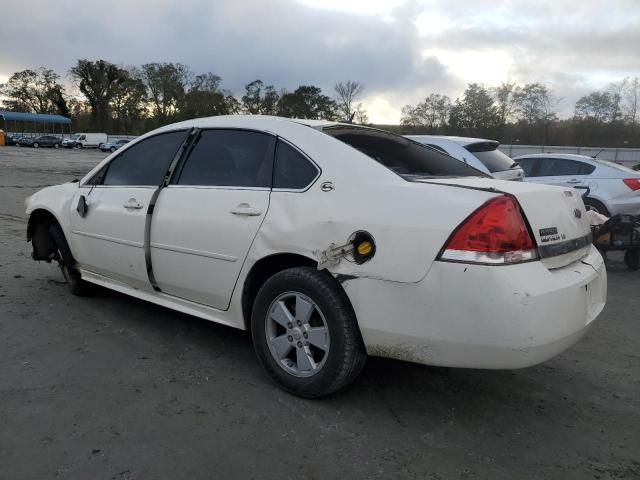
109	387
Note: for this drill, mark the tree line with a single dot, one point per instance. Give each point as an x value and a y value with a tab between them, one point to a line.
527	114
135	99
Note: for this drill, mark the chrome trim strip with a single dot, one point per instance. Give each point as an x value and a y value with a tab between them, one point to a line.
109	239
189	251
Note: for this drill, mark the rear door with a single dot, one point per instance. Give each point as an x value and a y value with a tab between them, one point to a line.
109	239
560	171
206	219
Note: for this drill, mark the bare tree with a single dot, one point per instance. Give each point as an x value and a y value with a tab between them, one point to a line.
432	112
597	106
346	96
632	102
503	96
166	83
360	115
99	82
35	91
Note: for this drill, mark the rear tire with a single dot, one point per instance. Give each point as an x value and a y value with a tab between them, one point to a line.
632	259
67	263
112	149
596	205
36	145
56	145
308	366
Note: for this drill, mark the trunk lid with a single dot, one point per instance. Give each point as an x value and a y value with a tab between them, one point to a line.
556	215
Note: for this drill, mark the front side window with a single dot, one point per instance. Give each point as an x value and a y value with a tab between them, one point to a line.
407	158
552	167
229	158
145	163
292	170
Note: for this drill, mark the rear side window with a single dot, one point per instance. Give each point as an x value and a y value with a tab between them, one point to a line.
550	167
491	157
292	170
229	158
405	157
145	163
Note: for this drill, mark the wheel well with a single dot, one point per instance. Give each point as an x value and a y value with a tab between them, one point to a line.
262	270
38	233
591	199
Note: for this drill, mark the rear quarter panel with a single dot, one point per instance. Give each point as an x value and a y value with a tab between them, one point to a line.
410	223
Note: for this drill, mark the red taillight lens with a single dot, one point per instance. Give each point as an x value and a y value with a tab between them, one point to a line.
632	183
496	233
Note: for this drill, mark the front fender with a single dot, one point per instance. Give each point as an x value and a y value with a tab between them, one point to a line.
55	200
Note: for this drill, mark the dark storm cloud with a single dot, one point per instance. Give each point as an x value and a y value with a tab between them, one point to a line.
571	44
280	41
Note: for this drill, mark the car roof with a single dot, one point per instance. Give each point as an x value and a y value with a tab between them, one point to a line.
260	122
305	135
566	156
464	141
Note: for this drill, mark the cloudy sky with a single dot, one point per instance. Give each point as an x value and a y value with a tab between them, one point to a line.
401	50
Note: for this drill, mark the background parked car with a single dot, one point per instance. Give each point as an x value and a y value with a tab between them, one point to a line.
613	188
42	141
85	140
480	153
114	145
12	139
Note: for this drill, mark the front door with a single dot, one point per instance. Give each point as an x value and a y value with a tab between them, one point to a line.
110	238
204	222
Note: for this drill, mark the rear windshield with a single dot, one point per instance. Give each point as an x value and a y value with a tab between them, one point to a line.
407	158
617	166
491	157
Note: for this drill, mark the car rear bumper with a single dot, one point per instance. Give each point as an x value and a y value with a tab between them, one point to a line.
477	316
628	205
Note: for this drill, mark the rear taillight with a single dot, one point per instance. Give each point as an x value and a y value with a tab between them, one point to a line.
495	234
632	183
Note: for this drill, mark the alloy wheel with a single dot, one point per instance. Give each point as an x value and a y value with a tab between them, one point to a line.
297	334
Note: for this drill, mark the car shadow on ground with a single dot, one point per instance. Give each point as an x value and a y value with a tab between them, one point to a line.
407	385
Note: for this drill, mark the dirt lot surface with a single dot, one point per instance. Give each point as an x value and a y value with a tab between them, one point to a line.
109	387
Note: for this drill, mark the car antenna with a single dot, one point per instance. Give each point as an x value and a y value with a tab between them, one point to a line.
596	155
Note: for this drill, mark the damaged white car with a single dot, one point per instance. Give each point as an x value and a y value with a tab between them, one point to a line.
329	242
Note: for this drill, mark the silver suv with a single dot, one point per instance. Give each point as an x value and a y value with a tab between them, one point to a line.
480	153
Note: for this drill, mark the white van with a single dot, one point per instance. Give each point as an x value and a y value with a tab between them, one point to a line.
85	140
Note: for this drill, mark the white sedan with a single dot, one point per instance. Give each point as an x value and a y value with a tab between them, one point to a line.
613	189
329	242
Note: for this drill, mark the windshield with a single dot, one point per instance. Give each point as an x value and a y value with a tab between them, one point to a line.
405	157
491	157
74	136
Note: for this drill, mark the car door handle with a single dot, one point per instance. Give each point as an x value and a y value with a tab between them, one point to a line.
246	209
573	180
133	204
